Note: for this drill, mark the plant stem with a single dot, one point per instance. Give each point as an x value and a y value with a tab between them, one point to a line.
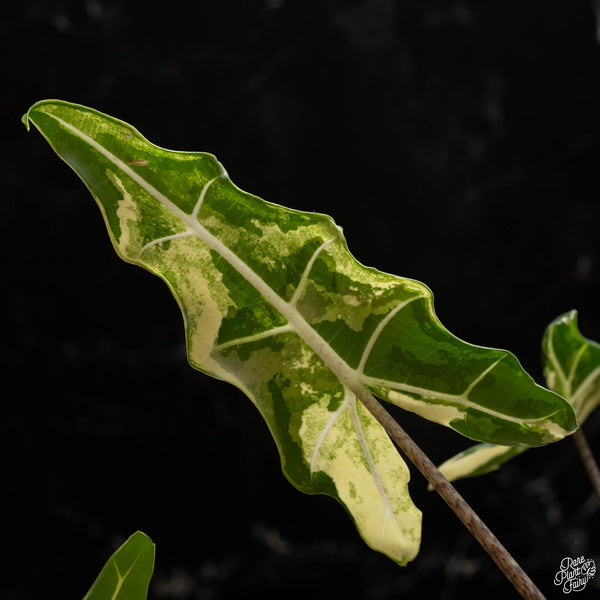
507	564
589	462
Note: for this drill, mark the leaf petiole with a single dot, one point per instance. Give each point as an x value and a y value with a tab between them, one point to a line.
480	531
588	460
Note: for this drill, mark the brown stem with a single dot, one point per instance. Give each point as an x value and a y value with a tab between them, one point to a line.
507	564
589	462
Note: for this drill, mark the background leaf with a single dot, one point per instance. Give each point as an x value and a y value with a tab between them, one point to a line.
572	365
477	460
274	303
127	573
571	368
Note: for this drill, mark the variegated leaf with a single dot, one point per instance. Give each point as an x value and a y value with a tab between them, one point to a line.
572	365
478	460
274	303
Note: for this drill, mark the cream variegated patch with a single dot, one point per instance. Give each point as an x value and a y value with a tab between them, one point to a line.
131	239
440	413
466	463
350	446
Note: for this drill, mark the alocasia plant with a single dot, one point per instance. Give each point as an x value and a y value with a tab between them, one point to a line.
571	368
274	303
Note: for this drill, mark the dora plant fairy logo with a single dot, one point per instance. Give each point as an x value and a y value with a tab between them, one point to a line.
574	573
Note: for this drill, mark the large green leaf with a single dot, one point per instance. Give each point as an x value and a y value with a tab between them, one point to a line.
571	368
126	575
274	303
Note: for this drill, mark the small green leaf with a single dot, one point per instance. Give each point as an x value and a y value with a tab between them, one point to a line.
126	575
274	303
572	365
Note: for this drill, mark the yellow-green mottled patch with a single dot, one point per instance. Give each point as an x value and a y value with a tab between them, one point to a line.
350	444
130	240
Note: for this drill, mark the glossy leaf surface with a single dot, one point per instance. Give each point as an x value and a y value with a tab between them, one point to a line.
571	368
126	575
274	303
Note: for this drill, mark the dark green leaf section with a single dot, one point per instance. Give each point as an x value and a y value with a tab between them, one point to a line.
126	575
499	402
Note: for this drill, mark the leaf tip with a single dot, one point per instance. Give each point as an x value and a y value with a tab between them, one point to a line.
140	535
25	120
568	317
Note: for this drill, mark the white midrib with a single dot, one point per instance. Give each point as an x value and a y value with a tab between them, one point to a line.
373	468
349	377
121	578
346	374
352	379
119	585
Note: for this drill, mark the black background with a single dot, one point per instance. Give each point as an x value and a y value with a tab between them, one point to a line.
456	142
